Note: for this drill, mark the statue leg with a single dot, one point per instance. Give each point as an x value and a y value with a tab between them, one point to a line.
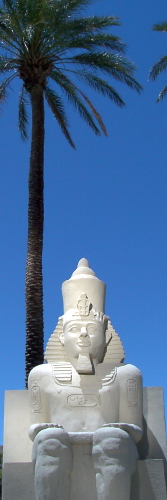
52	461
114	456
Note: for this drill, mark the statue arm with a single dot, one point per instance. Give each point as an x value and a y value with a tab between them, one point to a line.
131	401
39	411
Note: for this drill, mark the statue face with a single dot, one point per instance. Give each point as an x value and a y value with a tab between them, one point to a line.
84	337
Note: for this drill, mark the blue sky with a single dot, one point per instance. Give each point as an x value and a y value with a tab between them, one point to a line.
106	201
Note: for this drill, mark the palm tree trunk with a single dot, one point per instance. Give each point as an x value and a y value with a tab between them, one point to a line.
34	280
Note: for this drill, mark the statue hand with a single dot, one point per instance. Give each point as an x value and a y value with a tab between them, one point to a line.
121	425
36	428
133	430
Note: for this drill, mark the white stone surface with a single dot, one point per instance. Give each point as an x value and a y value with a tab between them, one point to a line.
18	481
148	483
17	446
153	403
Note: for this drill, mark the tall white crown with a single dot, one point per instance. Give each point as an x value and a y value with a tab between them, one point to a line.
83	282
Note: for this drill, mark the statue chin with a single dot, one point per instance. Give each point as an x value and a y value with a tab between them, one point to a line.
85	362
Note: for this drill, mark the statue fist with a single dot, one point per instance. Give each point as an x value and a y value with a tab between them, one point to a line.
36	428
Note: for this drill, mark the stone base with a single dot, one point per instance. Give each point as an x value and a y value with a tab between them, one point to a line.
18	482
148	482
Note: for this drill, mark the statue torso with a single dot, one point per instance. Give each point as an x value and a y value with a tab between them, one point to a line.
80	402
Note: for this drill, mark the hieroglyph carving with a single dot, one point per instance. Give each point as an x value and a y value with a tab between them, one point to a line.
83	400
35	397
132	392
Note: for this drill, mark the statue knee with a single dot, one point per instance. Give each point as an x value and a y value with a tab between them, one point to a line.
113	445
52	446
111	438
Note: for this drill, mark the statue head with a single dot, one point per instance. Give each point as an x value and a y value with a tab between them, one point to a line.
84	321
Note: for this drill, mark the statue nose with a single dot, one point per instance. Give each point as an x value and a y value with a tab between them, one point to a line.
84	332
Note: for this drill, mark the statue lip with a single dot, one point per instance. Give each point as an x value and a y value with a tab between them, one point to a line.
85	343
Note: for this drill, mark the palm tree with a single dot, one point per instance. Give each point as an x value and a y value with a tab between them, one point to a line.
47	41
161	65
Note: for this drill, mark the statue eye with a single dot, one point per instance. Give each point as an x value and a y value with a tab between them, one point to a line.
73	329
92	330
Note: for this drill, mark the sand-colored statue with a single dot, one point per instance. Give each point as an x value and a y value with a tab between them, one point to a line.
85	393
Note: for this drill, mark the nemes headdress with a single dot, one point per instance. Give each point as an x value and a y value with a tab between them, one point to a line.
83	294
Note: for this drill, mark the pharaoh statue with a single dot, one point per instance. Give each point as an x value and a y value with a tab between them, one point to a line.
85	393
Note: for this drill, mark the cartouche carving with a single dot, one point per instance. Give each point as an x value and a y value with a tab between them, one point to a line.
83	400
35	397
132	392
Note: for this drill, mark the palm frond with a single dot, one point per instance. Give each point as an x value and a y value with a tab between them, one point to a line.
162	94
22	9
11	19
37	11
161	65
158	67
113	64
71	92
92	24
3	93
10	5
89	42
69	7
84	29
95	113
3	89
10	33
102	60
7	36
57	108
56	12
101	86
22	115
160	26
89	25
7	64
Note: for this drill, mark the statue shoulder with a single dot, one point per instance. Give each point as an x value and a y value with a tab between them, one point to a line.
128	372
39	374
